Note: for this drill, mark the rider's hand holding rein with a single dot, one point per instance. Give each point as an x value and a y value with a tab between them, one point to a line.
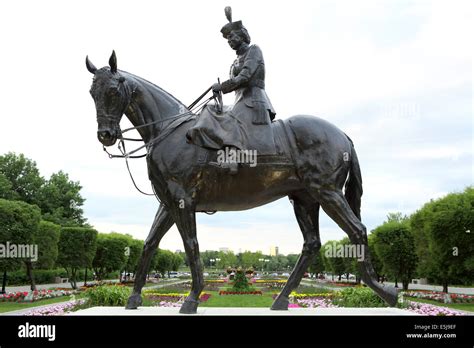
216	87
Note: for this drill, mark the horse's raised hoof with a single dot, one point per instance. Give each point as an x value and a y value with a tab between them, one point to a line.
281	304
390	295
189	307
134	301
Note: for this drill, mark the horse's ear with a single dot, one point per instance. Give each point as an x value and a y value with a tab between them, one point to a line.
113	62
90	66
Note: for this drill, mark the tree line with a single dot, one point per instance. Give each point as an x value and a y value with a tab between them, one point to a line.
212	259
436	242
48	213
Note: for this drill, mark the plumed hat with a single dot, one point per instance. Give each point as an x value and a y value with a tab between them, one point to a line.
226	29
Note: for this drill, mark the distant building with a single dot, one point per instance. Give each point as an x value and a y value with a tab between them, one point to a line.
273	251
178	251
224	250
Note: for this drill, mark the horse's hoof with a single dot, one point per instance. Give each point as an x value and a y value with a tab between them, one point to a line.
134	301
189	307
390	295
281	304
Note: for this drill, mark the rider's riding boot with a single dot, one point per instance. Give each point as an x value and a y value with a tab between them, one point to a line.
232	166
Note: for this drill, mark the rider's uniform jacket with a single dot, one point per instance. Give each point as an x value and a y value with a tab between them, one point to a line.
247	79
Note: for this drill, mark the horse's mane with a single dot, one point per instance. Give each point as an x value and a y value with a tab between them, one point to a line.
151	85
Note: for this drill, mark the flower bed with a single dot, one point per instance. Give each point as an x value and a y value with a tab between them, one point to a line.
270	281
102	283
310	296
172	297
340	283
225	292
316	303
59	309
429	309
440	296
28	296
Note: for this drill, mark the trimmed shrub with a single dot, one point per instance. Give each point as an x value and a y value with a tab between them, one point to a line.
358	297
108	295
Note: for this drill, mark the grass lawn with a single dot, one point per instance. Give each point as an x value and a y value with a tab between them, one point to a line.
469	307
14	306
217	300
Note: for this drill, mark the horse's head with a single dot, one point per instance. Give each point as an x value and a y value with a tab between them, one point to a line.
112	96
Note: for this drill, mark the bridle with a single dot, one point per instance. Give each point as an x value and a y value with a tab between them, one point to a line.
163	132
193	109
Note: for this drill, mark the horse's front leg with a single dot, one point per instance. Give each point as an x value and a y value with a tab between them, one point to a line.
185	219
162	223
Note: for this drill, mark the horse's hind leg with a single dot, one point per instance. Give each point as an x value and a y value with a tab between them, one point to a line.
161	225
307	214
336	206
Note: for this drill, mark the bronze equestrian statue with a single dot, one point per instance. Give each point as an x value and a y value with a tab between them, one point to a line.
309	160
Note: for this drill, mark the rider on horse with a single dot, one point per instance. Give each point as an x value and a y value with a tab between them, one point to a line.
247	73
248	122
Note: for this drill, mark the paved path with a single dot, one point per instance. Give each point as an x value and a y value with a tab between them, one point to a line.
67	298
48	286
79	284
454	290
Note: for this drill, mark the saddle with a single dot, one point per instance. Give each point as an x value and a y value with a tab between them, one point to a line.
217	131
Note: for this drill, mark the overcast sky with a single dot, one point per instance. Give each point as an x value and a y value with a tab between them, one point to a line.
396	76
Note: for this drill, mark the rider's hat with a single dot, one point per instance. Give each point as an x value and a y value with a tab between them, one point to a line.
226	29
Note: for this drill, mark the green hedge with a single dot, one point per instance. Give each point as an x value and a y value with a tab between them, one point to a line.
43	276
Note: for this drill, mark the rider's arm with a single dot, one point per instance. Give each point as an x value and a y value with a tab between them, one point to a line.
251	63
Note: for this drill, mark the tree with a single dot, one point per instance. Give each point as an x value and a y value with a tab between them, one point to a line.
394	244
47	238
61	201
77	246
446	226
317	264
163	261
110	254
19	222
227	259
6	188
334	262
23	177
133	253
250	259
292	259
58	198
207	256
397	217
376	262
176	262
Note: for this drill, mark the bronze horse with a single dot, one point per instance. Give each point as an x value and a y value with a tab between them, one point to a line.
324	162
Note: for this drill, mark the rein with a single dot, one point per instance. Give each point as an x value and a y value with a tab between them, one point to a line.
160	136
163	134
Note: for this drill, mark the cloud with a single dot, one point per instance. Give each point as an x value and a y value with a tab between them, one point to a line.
395	76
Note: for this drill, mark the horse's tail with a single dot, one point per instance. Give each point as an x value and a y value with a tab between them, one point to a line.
353	188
